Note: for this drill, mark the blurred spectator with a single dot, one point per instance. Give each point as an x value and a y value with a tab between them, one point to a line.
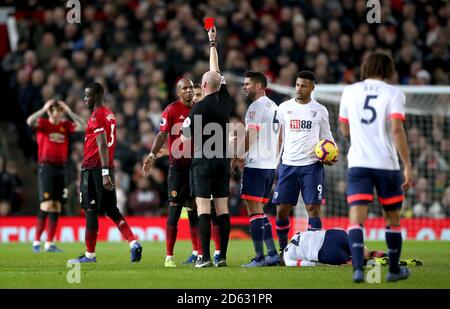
145	200
139	49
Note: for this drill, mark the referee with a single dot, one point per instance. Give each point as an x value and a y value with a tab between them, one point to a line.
210	175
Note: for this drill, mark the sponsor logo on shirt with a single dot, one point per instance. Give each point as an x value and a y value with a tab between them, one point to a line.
56	137
251	114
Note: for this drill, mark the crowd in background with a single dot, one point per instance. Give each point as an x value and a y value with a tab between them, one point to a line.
139	49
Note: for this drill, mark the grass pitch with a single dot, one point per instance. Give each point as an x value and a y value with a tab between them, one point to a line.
20	268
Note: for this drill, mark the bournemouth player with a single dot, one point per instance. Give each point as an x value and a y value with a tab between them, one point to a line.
53	150
304	123
261	141
329	247
97	190
179	169
372	114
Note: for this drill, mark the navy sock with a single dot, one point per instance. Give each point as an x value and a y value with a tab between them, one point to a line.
257	231
394	244
282	226
314	224
356	243
268	237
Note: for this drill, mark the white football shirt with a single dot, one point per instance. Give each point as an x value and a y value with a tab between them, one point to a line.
304	125
262	115
305	246
367	107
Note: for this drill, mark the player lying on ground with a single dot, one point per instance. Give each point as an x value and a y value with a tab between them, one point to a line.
330	247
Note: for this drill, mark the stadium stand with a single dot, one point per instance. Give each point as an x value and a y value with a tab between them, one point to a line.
139	49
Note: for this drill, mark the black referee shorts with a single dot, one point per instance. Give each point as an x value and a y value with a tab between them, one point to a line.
92	193
51	182
210	177
178	184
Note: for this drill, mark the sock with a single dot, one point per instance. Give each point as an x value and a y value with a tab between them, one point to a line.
131	243
356	243
171	237
91	230
172	228
268	237
314	224
125	230
224	232
41	217
204	227
394	244
257	232
215	233
282	226
53	216
90	255
193	229
216	252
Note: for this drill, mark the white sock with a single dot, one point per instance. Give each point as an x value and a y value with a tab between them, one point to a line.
90	255
47	244
132	243
36	243
216	252
169	257
195	252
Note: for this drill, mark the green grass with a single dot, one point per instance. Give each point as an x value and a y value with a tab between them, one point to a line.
20	268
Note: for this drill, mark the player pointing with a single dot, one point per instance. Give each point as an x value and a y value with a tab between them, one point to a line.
372	113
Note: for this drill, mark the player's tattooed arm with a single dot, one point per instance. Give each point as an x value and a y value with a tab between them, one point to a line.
104	158
160	140
401	144
33	118
79	122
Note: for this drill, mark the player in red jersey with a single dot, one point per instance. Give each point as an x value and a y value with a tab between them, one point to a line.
53	150
179	169
97	191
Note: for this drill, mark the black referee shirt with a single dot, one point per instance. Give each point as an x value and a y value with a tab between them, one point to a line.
209	116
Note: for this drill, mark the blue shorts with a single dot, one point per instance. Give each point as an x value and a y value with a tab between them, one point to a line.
257	184
292	180
335	248
361	181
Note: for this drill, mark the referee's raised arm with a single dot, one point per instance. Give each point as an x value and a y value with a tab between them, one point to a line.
213	57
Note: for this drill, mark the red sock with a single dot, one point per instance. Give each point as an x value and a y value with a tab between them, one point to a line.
52	224
216	236
125	230
171	238
91	241
39	228
194	232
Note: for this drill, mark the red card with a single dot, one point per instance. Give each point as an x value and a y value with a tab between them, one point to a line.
209	22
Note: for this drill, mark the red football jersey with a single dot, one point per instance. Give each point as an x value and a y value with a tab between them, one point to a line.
102	120
53	140
172	122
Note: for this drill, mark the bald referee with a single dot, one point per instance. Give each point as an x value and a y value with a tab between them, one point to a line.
210	174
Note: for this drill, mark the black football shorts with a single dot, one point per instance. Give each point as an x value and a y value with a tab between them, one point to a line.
92	193
51	182
210	177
